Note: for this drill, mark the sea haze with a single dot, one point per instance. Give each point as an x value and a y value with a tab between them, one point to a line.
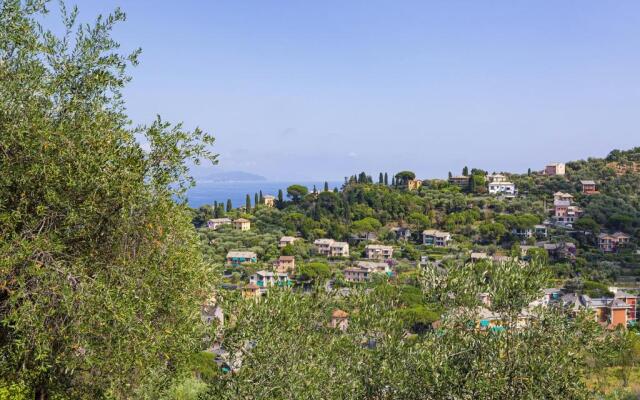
206	192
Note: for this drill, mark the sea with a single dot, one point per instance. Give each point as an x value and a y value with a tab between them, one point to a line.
206	192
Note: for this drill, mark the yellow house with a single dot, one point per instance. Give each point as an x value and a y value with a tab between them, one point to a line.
269	201
414	184
242	224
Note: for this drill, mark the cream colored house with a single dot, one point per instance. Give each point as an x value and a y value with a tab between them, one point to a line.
323	246
242	224
378	252
215	223
554	169
339	249
268	200
434	237
286	240
285	264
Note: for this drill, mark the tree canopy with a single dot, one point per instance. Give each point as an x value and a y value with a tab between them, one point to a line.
101	272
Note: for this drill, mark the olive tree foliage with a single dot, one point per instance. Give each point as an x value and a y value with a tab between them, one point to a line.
284	347
101	277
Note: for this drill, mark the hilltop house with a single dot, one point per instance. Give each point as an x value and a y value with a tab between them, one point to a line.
242	224
560	251
414	184
402	233
610	312
269	200
524	233
339	249
629	299
331	248
363	271
251	291
565	213
378	252
362	236
356	274
323	246
554	169
562	196
286	240
540	230
610	242
285	264
461	181
265	279
503	188
215	223
237	258
433	237
496	178
589	187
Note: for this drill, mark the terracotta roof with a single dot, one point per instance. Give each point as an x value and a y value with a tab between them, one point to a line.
337	313
241	220
252	286
287	258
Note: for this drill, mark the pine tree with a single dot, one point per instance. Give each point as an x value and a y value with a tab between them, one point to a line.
229	205
386	179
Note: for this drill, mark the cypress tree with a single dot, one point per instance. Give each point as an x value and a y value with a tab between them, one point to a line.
465	171
393	181
529	172
386	179
256	199
380	178
229	205
450	175
248	203
261	197
326	186
280	198
314	189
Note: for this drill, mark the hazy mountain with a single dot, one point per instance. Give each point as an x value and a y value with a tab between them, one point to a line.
229	176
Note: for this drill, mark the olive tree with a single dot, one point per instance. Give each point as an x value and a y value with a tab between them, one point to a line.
101	277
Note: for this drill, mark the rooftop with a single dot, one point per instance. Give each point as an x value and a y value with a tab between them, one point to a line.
243	254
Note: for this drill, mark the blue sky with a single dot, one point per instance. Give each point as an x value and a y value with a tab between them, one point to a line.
297	90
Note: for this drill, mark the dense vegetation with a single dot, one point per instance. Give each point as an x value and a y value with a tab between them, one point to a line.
101	275
105	282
